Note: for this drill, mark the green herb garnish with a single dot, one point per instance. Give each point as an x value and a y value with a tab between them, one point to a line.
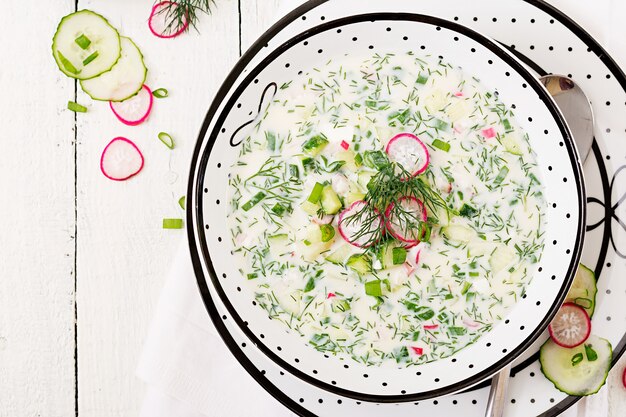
75	107
172	223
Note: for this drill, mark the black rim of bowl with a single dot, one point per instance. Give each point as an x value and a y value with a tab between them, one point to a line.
195	190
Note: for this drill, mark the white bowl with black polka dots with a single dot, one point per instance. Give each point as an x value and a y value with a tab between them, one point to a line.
237	105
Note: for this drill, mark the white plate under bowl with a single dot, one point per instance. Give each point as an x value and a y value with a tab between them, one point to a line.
535	111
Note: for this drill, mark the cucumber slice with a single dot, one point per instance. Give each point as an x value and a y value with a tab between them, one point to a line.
340	255
577	371
584	289
330	201
502	257
458	233
361	264
123	81
85	45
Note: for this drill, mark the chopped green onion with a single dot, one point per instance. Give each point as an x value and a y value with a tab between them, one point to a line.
90	58
421	79
308	164
279	209
160	93
507	125
306	242
466	287
294	171
314	145
253	276
457	331
591	354
577	358
271	141
467	211
328	232
358	160
398	256
583	302
375	159
67	64
253	201
83	41
167	139
474	274
316	193
373	288
310	284
501	175
75	107
439	144
181	202
440	124
425	232
172	223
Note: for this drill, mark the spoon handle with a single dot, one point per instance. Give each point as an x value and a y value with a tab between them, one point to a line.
497	394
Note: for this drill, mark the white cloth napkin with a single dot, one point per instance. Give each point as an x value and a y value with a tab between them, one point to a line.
189	371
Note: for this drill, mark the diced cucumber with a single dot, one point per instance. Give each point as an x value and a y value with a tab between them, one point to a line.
577	371
253	201
351	197
439	144
315	145
359	263
279	245
339	256
125	78
348	157
391	254
374	288
310	208
458	233
364	178
316	193
310	246
468	211
330	201
501	258
458	110
479	247
422	78
504	171
511	145
85	45
583	290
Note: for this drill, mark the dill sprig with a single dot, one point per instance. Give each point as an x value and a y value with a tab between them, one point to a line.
179	12
384	191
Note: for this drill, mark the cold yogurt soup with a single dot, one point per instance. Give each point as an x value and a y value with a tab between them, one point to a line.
387	208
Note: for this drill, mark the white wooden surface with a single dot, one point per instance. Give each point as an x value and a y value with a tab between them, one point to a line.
76	245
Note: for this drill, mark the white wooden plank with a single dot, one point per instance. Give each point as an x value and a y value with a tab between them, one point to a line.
256	17
123	254
37	212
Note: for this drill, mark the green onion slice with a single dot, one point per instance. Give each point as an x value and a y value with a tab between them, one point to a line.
328	232
439	144
167	139
373	288
75	107
181	202
160	93
253	201
83	41
90	58
172	223
316	193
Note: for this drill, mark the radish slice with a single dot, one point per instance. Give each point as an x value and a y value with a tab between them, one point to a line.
624	378
345	145
407	150
161	16
414	212
431	326
121	159
134	110
489	133
571	326
350	225
417	350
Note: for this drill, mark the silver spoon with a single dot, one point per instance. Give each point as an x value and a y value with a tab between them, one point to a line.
576	109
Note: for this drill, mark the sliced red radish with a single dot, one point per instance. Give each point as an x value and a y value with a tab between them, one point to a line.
431	326
489	133
408	268
624	378
331	295
571	326
458	94
417	350
345	145
407	150
325	219
470	323
360	225
410	211
121	159
136	109
161	16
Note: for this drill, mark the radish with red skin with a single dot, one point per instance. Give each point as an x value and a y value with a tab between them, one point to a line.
134	110
624	378
331	295
571	326
431	326
121	159
345	145
417	350
349	226
408	150
159	19
408	205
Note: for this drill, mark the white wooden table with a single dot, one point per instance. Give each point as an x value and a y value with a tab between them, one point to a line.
82	258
